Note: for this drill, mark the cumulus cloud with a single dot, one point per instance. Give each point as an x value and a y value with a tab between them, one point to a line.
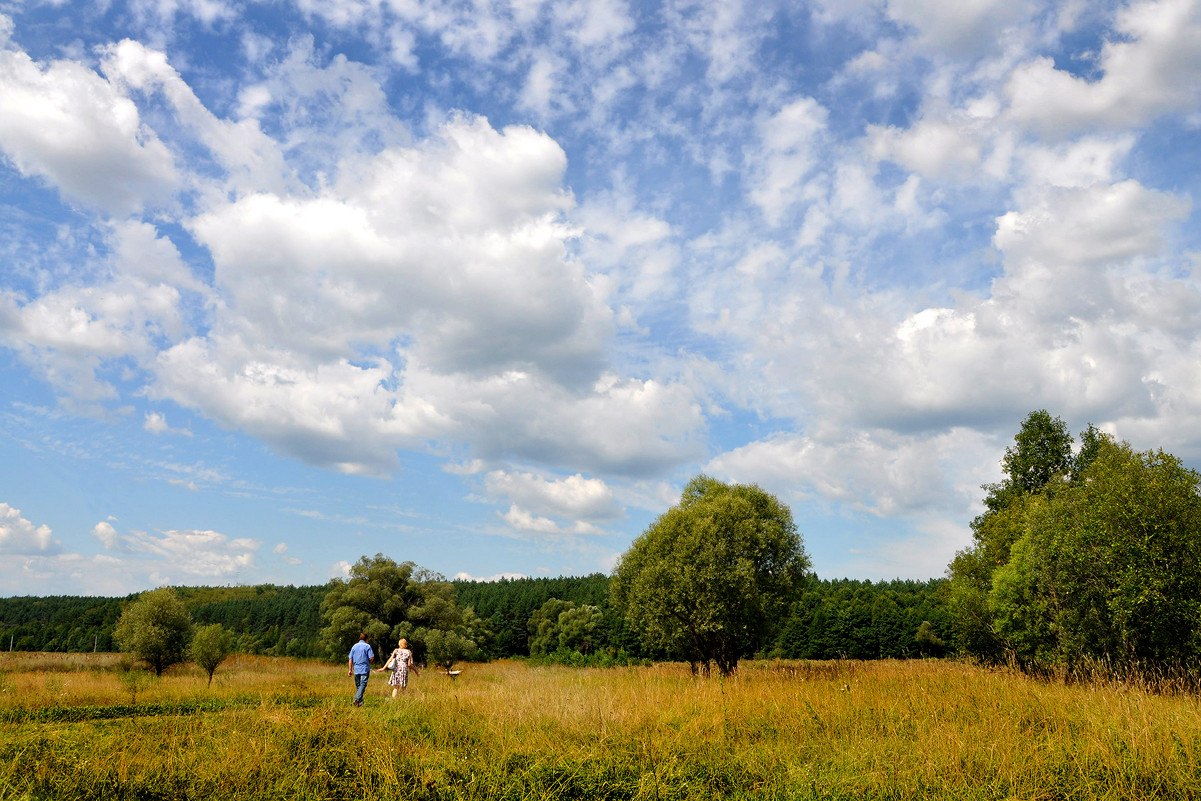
281	550
789	153
526	522
880	472
1151	66
64	123
19	536
188	552
572	497
961	28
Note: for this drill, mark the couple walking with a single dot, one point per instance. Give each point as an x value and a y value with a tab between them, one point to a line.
400	662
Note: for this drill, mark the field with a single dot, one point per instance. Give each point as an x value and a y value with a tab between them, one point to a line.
76	726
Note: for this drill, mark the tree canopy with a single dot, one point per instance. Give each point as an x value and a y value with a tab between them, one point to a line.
387	601
1102	560
707	578
155	628
210	646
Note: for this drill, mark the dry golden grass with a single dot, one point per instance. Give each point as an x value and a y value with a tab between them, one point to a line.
285	728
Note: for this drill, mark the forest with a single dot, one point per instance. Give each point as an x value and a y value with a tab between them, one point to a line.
828	619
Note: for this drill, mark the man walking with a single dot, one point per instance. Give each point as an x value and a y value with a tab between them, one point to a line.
359	666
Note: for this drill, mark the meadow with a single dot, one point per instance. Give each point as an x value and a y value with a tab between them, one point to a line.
78	726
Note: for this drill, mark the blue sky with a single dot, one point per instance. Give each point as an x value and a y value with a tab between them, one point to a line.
482	284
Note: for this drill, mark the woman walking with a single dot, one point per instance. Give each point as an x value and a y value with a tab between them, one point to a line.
400	663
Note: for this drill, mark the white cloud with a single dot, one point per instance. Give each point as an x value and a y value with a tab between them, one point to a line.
573	497
19	536
281	550
1090	226
107	535
961	28
66	124
1151	66
189	552
157	424
932	148
526	522
881	472
789	152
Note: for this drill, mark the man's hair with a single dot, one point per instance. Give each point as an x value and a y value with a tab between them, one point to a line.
363	636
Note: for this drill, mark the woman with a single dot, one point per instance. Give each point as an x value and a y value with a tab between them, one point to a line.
400	663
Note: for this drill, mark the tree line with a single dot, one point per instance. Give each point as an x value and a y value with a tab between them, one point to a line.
261	619
856	619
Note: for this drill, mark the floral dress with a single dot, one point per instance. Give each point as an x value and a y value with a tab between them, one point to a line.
401	659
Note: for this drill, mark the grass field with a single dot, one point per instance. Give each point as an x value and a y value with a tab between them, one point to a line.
71	726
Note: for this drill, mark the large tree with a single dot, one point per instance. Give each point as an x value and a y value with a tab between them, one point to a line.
1108	566
156	628
1098	559
374	599
1041	451
388	601
707	579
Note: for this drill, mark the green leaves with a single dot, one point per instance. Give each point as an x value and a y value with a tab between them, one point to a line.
210	645
155	628
708	578
389	601
1100	561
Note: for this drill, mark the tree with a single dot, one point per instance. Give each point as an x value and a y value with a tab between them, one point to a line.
389	601
561	625
1041	451
447	647
544	626
928	642
1099	559
578	628
375	599
1108	567
709	577
156	628
210	645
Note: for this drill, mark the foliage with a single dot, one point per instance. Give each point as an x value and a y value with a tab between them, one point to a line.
389	601
563	625
831	618
1101	561
1109	567
1041	451
210	646
59	623
262	619
509	606
853	619
444	648
928	642
706	579
156	628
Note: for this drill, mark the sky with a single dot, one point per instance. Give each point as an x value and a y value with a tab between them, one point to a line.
481	284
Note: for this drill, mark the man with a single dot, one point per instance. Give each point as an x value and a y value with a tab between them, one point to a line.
359	666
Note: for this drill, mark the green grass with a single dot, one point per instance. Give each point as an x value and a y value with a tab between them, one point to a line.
278	728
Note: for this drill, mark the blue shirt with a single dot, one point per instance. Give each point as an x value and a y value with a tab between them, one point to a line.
361	656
